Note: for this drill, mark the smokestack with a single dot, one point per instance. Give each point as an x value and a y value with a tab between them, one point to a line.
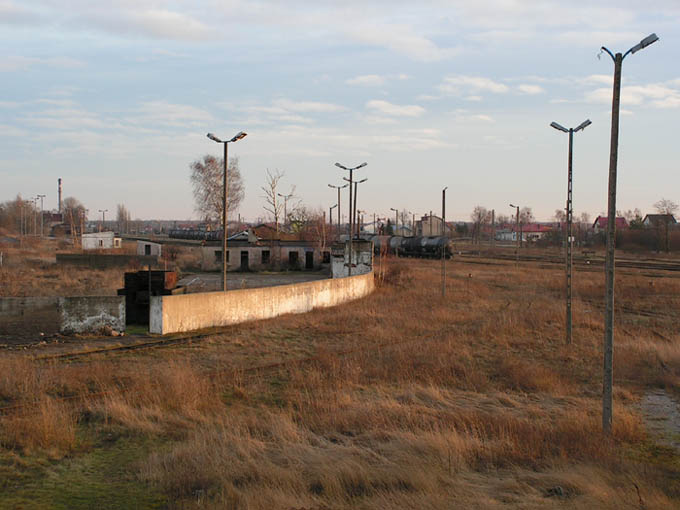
59	181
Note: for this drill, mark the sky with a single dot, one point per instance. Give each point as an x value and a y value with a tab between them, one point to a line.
116	98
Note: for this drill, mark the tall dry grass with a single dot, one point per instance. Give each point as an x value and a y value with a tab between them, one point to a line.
470	401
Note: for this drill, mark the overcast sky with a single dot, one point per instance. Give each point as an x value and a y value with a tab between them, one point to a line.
116	98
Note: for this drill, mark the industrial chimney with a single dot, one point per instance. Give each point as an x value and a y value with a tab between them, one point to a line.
59	180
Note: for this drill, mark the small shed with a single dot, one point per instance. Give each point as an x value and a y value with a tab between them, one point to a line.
148	248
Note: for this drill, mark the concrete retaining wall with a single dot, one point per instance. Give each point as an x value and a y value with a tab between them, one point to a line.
172	314
92	314
28	316
106	260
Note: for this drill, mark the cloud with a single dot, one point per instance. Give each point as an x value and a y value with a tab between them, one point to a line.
659	95
170	114
308	106
22	63
530	89
454	85
401	39
372	80
388	108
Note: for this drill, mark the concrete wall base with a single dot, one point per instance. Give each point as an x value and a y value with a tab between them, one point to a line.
92	314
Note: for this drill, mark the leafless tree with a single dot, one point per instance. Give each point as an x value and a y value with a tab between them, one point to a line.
526	215
667	208
480	216
273	205
122	218
207	180
560	215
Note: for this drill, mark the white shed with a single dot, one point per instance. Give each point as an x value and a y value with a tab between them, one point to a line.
101	241
148	248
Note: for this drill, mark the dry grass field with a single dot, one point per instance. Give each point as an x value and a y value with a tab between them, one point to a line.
400	400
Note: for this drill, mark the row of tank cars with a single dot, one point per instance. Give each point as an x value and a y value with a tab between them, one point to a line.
418	246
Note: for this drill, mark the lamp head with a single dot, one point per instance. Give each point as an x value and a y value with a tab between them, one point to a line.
214	138
361	166
239	136
341	166
650	39
362	180
515	206
583	125
558	127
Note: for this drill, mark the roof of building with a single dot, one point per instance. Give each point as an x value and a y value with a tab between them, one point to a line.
601	222
659	218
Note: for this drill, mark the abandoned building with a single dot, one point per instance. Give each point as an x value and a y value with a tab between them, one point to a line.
101	241
261	250
148	248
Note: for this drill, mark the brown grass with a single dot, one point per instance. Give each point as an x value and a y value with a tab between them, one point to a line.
473	401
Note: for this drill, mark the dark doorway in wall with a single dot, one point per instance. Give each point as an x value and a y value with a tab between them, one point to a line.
309	260
265	256
147	249
244	260
293	260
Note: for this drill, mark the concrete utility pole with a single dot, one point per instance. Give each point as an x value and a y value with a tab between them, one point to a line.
338	204
518	234
41	214
446	239
103	211
493	229
570	213
330	214
396	220
354	212
608	369
285	206
239	136
351	175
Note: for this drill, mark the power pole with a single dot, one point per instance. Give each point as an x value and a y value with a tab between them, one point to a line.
41	214
518	234
493	229
608	376
446	241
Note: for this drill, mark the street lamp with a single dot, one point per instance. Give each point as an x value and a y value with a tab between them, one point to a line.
285	206
396	220
570	213
338	203
103	211
330	214
446	241
356	193
238	136
41	213
518	234
608	376
351	173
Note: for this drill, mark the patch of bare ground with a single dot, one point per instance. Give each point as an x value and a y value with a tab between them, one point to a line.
473	401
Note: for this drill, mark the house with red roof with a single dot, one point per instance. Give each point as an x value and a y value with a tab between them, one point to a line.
600	224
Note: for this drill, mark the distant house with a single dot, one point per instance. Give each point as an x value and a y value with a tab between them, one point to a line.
429	225
600	224
101	241
657	220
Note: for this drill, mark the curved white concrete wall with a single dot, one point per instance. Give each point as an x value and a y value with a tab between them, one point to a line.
188	312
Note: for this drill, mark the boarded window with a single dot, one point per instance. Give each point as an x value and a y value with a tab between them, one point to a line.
265	256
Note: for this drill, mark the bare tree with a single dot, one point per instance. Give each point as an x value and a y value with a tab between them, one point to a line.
667	208
122	218
207	180
272	203
560	216
480	216
526	215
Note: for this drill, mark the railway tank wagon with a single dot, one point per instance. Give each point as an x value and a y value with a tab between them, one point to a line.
418	246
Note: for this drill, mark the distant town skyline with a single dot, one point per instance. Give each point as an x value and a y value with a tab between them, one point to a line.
117	99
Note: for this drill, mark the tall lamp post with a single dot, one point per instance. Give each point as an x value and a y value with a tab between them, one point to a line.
445	241
351	174
338	203
103	211
354	202
285	205
239	136
570	213
517	233
41	213
330	214
396	220
608	372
